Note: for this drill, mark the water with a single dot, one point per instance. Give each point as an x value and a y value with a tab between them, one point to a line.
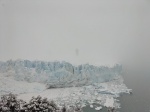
139	101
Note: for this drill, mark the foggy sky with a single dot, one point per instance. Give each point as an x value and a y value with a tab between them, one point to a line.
99	32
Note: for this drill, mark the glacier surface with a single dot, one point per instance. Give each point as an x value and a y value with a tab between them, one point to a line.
58	74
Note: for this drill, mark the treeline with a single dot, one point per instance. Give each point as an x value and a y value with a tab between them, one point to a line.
10	103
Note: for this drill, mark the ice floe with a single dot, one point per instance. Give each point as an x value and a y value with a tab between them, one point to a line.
98	108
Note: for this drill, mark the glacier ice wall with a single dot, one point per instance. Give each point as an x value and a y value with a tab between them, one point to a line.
58	74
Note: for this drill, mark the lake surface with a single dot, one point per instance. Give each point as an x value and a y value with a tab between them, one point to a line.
139	101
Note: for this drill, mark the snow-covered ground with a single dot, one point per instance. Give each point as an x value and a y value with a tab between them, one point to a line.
83	85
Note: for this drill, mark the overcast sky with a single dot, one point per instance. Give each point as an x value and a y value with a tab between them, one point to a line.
99	32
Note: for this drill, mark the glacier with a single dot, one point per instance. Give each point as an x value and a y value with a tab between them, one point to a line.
58	74
61	81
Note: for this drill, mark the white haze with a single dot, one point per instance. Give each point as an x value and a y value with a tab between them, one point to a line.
99	32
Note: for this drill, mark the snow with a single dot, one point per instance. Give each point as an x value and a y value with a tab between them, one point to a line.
8	85
52	93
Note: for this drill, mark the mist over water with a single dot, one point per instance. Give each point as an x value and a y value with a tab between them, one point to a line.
136	76
79	32
139	101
